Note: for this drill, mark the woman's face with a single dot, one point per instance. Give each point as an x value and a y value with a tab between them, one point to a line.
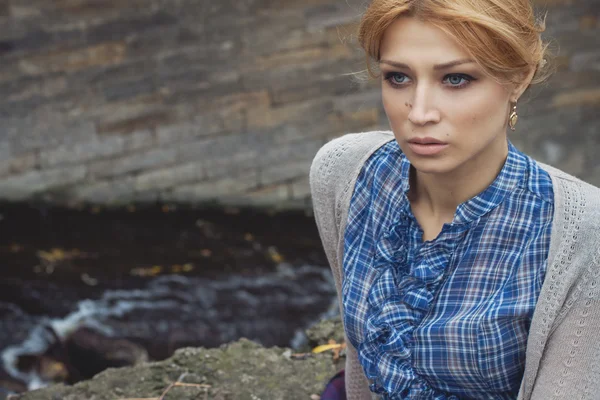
432	91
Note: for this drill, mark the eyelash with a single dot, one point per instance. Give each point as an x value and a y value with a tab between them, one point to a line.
467	78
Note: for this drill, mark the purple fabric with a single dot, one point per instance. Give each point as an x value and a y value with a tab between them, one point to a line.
336	388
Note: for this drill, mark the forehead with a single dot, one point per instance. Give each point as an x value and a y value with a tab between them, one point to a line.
409	39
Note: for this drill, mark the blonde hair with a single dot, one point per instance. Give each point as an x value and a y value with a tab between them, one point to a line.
503	36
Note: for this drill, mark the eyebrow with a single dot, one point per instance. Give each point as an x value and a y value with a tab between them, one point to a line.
436	67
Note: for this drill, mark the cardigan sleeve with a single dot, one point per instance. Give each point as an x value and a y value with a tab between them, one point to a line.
570	363
326	177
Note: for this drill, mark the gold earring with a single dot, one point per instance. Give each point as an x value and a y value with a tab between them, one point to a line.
513	118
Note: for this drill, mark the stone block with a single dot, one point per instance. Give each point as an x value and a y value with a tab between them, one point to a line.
23	186
330	86
309	72
219	167
577	97
300	189
331	15
168	177
123	90
133	162
216	147
303	55
82	152
259	38
136	23
43	130
32	86
266	196
73	60
214	190
138	140
149	120
18	164
293	151
104	192
201	125
315	110
284	172
585	61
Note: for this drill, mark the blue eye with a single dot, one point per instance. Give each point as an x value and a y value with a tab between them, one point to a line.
453	81
458	80
395	78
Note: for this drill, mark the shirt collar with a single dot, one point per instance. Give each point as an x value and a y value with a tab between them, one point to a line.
511	174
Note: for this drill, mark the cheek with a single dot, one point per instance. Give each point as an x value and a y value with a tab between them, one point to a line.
479	113
395	106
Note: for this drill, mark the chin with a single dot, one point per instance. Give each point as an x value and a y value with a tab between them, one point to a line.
436	165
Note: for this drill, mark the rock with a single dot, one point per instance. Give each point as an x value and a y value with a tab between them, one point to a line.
91	352
324	331
239	370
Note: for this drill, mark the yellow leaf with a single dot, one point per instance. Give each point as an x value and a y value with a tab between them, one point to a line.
176	268
275	255
155	270
325	347
58	254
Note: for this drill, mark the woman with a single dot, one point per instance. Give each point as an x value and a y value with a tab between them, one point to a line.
464	269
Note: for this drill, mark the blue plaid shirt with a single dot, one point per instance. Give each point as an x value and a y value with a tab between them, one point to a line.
446	318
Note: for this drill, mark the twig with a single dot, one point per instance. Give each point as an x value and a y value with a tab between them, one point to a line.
171	386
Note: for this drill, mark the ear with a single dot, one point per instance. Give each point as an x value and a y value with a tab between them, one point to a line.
520	88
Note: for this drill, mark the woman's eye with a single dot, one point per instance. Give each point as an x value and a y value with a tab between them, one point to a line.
458	80
454	81
396	79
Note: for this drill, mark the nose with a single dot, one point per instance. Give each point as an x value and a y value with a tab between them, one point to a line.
423	110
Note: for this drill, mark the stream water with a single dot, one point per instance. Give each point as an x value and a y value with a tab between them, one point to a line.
160	277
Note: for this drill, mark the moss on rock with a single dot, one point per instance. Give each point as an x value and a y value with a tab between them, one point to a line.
239	370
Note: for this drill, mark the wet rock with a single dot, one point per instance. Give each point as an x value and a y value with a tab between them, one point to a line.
91	352
240	370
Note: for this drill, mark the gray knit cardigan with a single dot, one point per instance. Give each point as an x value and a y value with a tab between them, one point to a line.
563	347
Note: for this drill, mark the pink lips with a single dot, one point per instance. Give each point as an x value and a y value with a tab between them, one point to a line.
426	146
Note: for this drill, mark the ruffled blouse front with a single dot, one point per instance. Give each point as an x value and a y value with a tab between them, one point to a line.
392	279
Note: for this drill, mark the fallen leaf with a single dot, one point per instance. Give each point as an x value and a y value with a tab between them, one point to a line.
155	270
275	255
325	347
176	268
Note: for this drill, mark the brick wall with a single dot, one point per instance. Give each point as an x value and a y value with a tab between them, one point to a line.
111	101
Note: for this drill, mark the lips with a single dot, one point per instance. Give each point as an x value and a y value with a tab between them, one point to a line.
425	140
426	146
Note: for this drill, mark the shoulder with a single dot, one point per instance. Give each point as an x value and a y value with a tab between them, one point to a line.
339	161
576	226
573	194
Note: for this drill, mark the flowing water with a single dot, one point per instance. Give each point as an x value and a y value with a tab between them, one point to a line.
160	277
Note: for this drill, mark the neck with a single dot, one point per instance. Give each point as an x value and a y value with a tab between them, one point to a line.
440	194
